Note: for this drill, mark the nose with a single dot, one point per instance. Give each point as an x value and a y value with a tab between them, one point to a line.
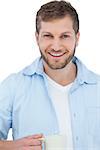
56	45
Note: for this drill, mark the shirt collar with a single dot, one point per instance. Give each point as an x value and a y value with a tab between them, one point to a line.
35	67
83	74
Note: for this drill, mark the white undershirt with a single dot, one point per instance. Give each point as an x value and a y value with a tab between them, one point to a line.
59	97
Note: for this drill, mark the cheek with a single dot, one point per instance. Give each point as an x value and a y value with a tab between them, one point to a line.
44	45
70	48
71	45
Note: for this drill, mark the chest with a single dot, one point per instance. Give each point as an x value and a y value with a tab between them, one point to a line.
33	113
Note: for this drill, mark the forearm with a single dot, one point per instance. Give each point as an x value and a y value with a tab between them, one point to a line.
7	145
30	142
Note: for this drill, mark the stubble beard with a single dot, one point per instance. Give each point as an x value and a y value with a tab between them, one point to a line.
56	65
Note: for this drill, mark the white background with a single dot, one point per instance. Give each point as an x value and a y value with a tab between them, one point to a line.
17	41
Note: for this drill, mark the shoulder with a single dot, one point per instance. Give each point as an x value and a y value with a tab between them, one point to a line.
21	77
94	75
84	74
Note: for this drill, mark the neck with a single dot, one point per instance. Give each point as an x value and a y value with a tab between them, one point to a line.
63	76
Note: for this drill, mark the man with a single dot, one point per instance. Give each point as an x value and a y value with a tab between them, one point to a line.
56	94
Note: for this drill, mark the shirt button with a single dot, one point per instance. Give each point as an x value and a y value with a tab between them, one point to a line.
77	138
74	115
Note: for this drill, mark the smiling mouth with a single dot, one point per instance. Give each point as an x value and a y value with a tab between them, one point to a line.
56	54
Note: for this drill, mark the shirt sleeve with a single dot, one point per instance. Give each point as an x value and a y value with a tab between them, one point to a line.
6	98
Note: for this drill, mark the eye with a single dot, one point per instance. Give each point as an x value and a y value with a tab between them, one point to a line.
47	36
65	36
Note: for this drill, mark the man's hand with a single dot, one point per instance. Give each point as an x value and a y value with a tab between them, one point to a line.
32	142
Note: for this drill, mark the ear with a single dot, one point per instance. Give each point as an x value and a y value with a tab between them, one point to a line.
37	37
77	38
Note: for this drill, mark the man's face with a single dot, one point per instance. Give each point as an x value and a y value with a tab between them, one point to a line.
57	42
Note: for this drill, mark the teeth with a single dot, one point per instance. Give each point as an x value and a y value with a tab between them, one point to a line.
53	54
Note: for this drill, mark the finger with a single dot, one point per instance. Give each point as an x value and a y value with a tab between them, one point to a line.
34	142
28	142
33	148
37	148
35	136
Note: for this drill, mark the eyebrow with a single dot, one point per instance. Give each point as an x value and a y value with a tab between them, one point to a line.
46	33
67	32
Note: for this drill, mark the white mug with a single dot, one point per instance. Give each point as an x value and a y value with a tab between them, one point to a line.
55	142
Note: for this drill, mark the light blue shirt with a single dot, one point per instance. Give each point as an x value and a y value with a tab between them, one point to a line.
26	106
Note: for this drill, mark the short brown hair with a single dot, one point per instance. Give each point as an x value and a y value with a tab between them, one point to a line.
57	10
